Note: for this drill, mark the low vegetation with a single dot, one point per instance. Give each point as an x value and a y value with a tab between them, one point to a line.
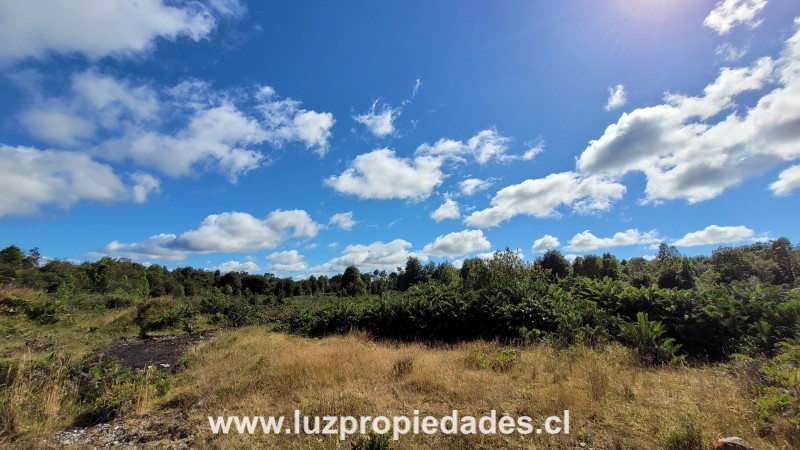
672	352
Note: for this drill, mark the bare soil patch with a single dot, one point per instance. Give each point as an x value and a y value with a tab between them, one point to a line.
160	351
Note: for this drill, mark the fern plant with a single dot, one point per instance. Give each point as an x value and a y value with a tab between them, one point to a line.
647	339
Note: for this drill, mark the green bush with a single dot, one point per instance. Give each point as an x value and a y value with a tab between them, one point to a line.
160	313
504	360
115	301
476	359
213	302
44	311
648	341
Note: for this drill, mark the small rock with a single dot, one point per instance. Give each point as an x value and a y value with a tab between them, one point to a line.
732	443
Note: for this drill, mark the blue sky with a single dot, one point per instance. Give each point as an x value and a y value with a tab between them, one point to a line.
301	137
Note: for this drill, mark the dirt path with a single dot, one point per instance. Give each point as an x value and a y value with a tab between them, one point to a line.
160	351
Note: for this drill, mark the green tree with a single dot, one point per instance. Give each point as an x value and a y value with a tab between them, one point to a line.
12	259
589	266
666	252
474	274
446	274
555	264
505	269
782	252
637	272
610	267
413	274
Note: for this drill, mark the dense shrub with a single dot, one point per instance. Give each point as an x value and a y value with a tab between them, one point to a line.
160	313
43	311
648	341
115	301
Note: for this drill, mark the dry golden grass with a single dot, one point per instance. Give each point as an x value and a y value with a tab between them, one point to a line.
613	401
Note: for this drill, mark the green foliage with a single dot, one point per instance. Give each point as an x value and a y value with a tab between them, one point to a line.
413	274
13	305
351	283
106	389
637	272
115	301
158	314
777	382
647	340
555	265
476	360
737	300
240	313
43	311
474	274
504	360
12	260
214	301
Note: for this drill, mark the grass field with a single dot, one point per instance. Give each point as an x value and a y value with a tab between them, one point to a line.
614	400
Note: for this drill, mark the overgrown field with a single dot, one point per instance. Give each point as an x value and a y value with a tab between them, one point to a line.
614	401
671	353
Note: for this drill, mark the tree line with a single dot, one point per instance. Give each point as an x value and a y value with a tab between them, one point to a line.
738	299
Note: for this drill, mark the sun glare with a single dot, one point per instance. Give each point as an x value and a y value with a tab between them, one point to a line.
650	10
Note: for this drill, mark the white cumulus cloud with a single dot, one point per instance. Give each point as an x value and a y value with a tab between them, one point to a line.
694	148
118	119
542	197
728	14
224	232
378	255
473	185
787	181
546	242
286	257
447	210
144	186
379	122
586	241
343	220
287	261
714	234
458	243
31	179
532	152
236	266
381	174
483	147
96	28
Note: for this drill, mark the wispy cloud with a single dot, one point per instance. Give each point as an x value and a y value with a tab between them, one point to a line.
728	14
617	97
